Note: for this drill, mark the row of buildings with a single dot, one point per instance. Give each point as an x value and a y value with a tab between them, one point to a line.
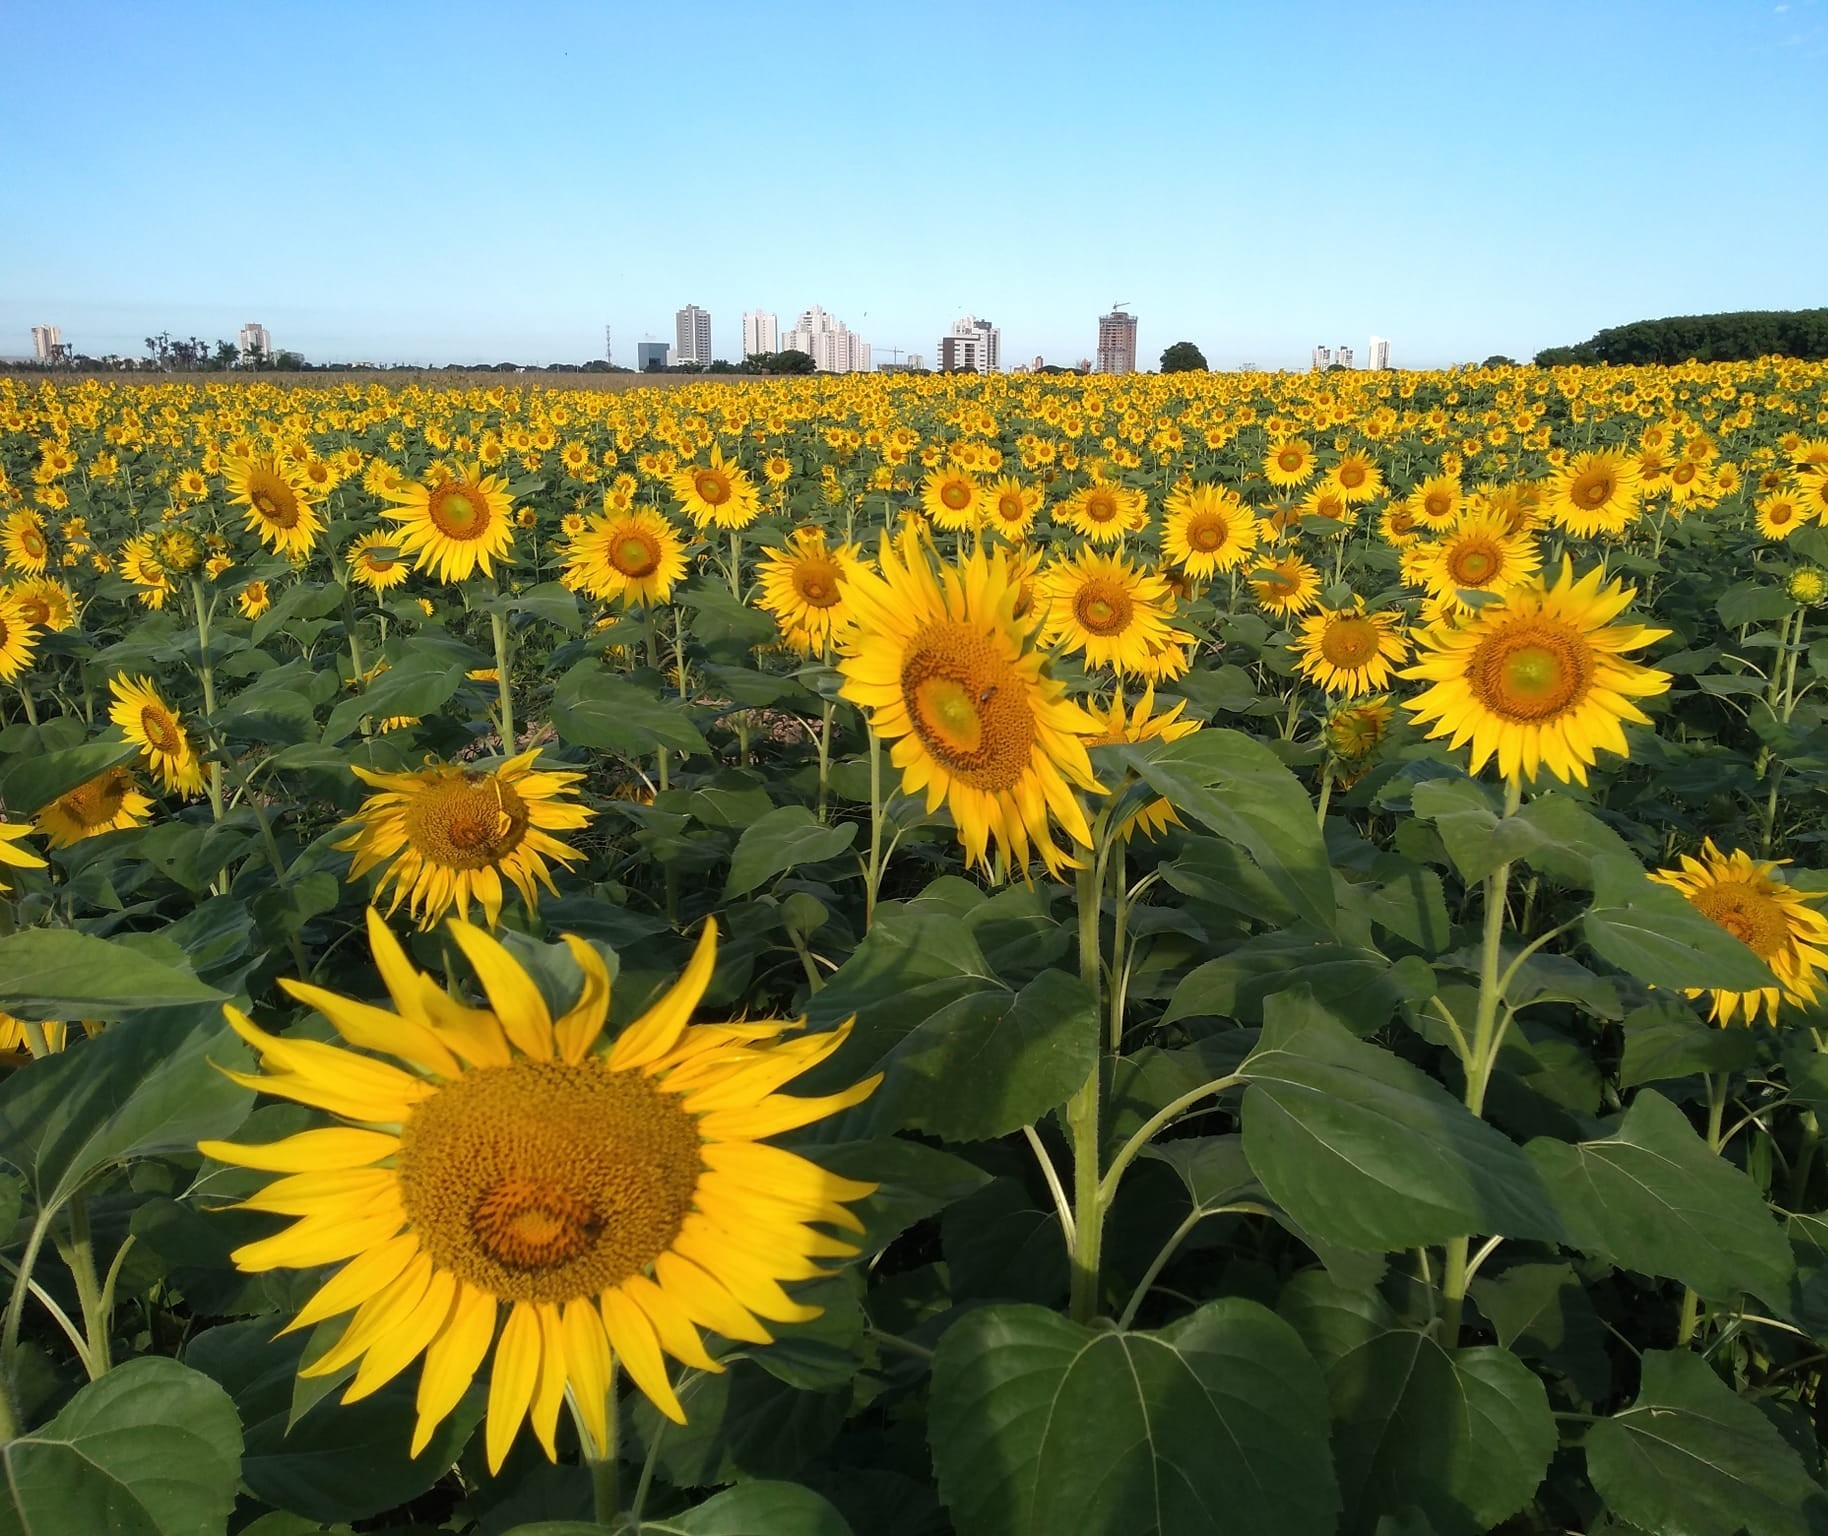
1341	356
254	343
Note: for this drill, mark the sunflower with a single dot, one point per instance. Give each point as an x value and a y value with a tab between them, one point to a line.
1435	503
1010	507
460	522
1114	613
22	536
1812	496
952	499
18	638
278	505
1287	586
634	557
950	676
1540	679
1478	556
254	600
1749	899
1355	730
803	587
154	727
106	803
377	562
1349	651
1780	514
1208	530
1104	512
1807	586
717	495
45	603
18	858
449	833
613	1197
1141	723
1289	462
1328	502
141	567
1595	493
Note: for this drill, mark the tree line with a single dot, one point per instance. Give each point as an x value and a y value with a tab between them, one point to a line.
1737	336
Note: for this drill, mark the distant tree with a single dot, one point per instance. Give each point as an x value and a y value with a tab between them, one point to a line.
289	362
226	354
1736	336
1183	357
1499	360
791	361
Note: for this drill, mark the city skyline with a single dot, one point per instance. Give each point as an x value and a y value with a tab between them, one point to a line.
1282	214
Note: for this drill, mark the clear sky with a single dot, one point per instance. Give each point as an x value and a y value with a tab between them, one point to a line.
457	182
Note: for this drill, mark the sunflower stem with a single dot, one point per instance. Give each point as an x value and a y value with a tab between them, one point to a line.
208	677
873	875
80	1256
1082	1108
1488	1035
1716	1114
605	1460
25	698
736	565
349	630
1326	794
498	626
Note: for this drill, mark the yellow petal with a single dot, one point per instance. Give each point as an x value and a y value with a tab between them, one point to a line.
671	1324
380	1315
366	1275
652	1035
452	1360
587	1366
308	1151
512	994
399	1347
517	1369
317	1240
631	1336
549	1390
706	1302
376	1029
577	1031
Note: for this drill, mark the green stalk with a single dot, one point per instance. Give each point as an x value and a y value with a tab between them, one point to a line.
1716	1113
208	676
1082	1109
872	880
498	626
605	1467
81	1258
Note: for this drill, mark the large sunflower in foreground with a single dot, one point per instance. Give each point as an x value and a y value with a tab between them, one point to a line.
1596	493
717	494
1115	613
803	586
949	674
461	522
277	502
1349	651
613	1197
154	727
106	803
1747	897
634	557
1208	530
449	834
1540	680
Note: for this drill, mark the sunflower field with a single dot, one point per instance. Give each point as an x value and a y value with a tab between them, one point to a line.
1211	953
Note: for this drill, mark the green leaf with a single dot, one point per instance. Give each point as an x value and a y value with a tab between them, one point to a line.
1542	1312
913	1182
340	1461
1213	1168
1651	932
740	1424
418	684
31	783
301	600
1364	1150
592	707
1653	1198
1752	602
785	837
1666	1040
59	973
1689	1458
552	602
1235	786
1216	1424
1465	813
150	1449
749	1509
1360	983
135	1090
1464	1436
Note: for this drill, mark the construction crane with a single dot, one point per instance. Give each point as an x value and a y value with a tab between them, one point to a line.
1120	304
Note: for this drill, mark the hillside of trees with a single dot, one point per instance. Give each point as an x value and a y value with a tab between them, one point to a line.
1745	333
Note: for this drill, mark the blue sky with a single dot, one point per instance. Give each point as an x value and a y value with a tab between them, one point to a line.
475	182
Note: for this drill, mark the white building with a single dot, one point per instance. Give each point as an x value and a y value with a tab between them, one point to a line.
255	339
971	346
1344	356
1323	358
1379	358
692	327
47	343
826	340
761	333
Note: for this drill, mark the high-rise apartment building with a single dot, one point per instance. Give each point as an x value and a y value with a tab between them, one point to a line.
971	346
255	339
47	343
1379	358
1323	358
826	340
652	355
761	333
692	326
1117	342
1343	356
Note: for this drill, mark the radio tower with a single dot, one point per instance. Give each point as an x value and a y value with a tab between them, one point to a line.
609	352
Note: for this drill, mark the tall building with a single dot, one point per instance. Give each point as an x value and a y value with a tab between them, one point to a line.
1344	355
1117	342
47	343
255	339
692	326
761	333
826	340
651	355
1379	358
1323	358
971	346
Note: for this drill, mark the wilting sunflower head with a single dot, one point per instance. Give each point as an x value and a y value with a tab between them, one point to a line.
600	1201
449	834
949	675
1539	680
803	587
1354	733
1749	899
1349	651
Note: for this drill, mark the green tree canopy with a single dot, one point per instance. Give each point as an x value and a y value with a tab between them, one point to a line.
1183	357
1725	338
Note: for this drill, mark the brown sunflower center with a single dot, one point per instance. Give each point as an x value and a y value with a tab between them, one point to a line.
1351	475
712	486
1438	504
1101	507
161	730
33	543
1103	607
1281	582
1781	512
1746	912
1208	532
1289	460
98	802
969	705
1593	487
274	501
1473	565
1010	507
458	511
1349	643
636	554
545	1181
1535	669
34	609
816	581
466	821
955	495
